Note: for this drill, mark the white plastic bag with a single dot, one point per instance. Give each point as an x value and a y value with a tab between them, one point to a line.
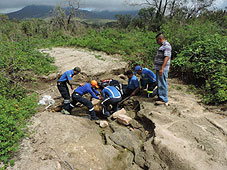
46	100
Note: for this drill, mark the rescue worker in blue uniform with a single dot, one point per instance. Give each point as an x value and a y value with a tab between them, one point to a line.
147	80
111	82
111	96
78	93
133	85
65	79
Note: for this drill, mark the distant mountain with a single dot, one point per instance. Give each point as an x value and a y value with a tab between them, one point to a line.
43	11
32	11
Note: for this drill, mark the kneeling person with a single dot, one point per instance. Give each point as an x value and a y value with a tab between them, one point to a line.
133	85
148	80
111	82
78	93
111	96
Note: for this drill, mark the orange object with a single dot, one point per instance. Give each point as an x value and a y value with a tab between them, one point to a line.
94	83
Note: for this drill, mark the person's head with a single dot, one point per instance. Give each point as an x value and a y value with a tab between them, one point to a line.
138	70
76	70
94	84
101	85
104	83
160	38
129	73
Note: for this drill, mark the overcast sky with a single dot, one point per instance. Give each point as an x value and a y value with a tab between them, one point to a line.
14	5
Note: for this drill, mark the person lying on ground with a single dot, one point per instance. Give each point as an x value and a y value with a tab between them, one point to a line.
78	93
147	80
111	96
133	85
65	79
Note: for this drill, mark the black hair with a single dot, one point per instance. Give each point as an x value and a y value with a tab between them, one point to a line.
160	35
129	72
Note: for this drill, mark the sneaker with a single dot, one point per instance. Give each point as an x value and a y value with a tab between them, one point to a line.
65	112
162	103
94	118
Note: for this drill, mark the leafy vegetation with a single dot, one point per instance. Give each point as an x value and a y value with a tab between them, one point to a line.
204	64
136	46
20	61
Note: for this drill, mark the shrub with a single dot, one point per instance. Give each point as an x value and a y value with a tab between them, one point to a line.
204	64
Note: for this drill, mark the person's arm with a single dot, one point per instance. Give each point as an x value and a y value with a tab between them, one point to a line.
151	75
167	54
135	91
136	84
93	94
103	94
96	91
163	65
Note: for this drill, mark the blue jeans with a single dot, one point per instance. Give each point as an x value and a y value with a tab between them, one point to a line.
162	85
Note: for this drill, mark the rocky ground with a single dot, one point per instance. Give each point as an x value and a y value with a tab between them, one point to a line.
186	135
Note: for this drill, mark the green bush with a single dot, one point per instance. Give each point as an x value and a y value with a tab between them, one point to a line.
137	46
17	57
181	34
19	61
13	116
204	64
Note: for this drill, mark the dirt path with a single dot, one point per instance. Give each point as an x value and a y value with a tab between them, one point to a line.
187	136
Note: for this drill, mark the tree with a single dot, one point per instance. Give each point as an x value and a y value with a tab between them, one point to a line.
63	17
74	6
123	20
172	7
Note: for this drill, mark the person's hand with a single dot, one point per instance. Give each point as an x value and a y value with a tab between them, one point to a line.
160	72
72	87
81	84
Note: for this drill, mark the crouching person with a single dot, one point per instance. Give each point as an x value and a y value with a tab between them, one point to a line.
78	93
111	82
111	96
148	80
133	87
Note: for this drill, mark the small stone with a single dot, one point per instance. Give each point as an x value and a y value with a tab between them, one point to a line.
95	101
124	119
97	105
58	166
119	112
103	123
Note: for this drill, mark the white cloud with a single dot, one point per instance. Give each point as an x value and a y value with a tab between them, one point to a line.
10	5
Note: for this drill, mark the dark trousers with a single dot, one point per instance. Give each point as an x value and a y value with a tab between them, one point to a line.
78	98
113	101
150	86
63	89
126	91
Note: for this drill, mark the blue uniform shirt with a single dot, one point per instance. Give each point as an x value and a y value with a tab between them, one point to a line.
133	83
67	76
148	75
87	89
111	92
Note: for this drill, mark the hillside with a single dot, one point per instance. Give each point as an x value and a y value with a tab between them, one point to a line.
42	11
182	136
